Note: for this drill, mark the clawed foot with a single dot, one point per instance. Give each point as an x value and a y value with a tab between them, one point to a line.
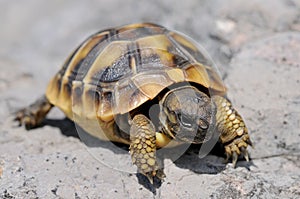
26	117
143	148
157	173
238	147
33	115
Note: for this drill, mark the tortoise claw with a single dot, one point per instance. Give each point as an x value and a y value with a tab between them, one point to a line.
245	153
234	158
150	177
33	115
158	173
233	152
24	117
238	147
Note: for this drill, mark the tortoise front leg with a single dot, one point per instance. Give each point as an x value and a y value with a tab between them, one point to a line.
34	114
234	133
143	147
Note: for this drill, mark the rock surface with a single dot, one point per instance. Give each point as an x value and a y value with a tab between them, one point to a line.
257	47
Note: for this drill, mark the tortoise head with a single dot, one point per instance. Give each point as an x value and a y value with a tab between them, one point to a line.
187	115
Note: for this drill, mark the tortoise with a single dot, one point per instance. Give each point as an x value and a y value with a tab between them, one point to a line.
110	83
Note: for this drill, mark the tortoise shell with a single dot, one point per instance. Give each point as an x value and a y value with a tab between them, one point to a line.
117	70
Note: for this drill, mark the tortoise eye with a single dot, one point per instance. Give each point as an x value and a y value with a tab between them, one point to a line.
185	120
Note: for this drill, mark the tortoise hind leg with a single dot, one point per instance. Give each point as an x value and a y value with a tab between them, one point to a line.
34	114
234	133
143	147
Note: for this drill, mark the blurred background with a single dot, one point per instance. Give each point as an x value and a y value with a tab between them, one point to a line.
256	45
37	36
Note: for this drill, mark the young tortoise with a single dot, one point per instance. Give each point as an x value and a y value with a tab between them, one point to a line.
110	82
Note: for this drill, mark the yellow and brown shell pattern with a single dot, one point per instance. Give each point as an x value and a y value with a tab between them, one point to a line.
117	70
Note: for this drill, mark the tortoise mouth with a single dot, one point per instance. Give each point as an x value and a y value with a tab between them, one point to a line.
199	138
187	135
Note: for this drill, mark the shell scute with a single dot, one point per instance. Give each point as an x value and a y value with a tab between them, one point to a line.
117	70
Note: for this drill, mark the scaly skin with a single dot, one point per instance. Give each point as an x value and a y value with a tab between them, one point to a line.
143	147
233	132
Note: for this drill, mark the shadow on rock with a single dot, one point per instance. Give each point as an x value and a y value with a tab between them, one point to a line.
66	126
210	164
70	129
213	163
143	180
